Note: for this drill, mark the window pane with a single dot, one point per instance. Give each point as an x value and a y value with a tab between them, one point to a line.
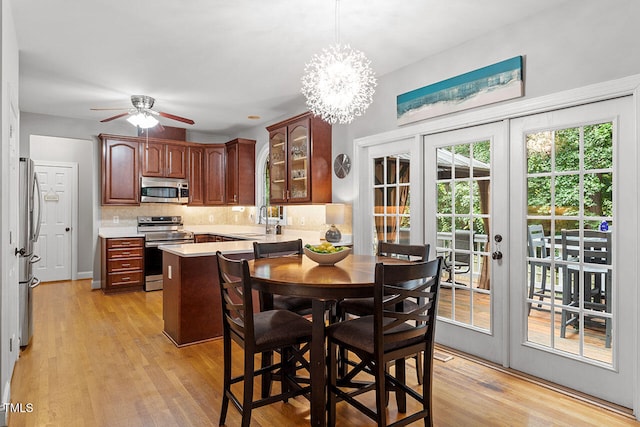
598	146
539	195
539	152
567	143
567	190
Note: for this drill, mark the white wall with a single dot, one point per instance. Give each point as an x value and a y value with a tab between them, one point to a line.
579	43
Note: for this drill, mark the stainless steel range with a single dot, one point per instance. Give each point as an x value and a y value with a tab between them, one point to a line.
159	230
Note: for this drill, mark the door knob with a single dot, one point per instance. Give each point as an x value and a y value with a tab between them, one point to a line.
496	255
67	229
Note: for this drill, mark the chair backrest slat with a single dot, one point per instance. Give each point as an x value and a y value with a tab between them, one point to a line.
408	252
277	249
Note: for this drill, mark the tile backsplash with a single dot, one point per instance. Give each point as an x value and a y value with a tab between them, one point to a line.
303	217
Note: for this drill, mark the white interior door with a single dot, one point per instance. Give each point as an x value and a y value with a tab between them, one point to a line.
466	219
54	244
574	290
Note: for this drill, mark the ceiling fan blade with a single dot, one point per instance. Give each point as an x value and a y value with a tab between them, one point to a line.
178	118
114	117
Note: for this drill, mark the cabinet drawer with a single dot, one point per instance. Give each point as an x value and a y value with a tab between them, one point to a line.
125	278
124	264
124	253
125	243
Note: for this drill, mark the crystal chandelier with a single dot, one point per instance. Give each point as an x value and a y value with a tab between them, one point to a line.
338	83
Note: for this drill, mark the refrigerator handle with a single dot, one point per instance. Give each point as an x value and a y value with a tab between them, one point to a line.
37	192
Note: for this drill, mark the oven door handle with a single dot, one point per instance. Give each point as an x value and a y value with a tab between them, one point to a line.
166	242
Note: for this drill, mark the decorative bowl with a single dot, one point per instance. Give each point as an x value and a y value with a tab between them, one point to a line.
327	258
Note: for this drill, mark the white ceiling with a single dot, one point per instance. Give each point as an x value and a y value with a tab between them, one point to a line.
218	62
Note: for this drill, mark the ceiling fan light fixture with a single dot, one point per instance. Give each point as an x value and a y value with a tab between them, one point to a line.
142	120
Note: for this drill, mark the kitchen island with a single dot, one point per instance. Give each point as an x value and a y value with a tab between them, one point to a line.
191	306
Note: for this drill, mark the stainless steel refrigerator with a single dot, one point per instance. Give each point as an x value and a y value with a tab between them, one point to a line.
29	229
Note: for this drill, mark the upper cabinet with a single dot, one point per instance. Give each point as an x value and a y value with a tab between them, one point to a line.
241	166
214	174
120	171
218	174
300	160
196	187
164	160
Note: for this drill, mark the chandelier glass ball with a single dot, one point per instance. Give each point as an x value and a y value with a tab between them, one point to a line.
339	84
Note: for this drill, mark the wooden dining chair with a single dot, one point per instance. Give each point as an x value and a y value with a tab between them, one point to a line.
392	333
365	306
267	331
539	257
595	249
297	305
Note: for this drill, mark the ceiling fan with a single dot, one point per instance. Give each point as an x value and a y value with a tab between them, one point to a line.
141	115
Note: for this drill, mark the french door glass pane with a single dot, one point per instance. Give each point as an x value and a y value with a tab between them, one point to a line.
570	260
462	222
391	194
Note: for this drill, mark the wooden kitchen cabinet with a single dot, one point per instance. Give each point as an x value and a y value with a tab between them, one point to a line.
196	188
165	160
122	266
214	174
241	167
120	171
300	160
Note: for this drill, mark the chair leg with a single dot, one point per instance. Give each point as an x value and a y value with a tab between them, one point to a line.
532	283
227	382
247	397
331	381
266	360
401	396
419	371
381	395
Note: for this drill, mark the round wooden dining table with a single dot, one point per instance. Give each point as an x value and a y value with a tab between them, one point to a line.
297	275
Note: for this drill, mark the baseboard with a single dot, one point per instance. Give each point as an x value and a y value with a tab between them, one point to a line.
85	275
96	284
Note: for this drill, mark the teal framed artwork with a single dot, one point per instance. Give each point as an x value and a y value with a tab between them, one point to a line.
487	85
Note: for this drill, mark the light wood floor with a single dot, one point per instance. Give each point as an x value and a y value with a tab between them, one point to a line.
102	360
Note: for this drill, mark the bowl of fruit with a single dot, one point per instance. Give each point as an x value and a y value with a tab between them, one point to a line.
325	253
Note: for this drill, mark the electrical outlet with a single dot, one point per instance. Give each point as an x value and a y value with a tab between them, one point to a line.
116	219
289	221
211	218
301	220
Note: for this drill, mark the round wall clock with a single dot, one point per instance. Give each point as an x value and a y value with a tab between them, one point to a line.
342	165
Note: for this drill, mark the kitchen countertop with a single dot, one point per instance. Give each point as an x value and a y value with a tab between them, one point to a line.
249	234
118	232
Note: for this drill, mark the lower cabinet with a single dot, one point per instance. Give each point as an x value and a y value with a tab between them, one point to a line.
122	264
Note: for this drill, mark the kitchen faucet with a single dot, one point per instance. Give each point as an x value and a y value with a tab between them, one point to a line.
266	218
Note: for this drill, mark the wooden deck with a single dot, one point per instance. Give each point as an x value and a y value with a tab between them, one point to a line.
102	360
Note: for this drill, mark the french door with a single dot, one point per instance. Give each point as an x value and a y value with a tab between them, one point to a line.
466	219
573	251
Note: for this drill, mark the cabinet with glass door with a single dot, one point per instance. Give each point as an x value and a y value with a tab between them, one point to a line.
299	161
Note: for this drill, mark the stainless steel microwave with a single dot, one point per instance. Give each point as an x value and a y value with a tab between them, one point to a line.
164	190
